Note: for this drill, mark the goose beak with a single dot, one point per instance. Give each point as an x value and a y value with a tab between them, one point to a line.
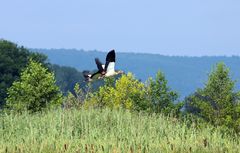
120	72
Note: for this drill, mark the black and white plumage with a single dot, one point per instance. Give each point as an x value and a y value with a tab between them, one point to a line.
103	70
109	67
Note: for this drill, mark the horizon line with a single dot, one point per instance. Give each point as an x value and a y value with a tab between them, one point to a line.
135	52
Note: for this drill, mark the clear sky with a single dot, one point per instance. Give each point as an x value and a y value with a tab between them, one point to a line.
169	27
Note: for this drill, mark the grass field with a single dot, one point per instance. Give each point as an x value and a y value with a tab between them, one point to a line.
107	131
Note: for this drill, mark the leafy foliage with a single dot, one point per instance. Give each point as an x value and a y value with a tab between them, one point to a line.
217	102
76	98
127	93
35	91
161	97
13	59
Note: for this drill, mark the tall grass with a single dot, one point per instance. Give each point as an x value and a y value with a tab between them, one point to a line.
107	131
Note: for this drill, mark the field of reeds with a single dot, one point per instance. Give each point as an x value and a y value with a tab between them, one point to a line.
107	131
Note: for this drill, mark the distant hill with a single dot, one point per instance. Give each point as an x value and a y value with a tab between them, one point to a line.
184	74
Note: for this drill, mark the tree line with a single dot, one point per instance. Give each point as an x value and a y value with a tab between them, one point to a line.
14	58
31	86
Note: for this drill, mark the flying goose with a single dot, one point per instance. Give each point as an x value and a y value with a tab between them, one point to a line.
106	70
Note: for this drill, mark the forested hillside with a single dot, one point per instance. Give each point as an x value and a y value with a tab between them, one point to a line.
184	74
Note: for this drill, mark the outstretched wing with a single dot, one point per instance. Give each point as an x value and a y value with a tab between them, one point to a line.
99	65
111	56
110	61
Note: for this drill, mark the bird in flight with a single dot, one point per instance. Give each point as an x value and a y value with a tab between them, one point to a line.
106	70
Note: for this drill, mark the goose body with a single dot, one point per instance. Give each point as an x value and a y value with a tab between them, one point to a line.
106	70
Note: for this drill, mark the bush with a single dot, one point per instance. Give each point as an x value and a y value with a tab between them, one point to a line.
75	99
35	91
127	93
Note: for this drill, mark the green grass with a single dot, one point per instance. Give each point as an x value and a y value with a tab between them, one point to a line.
107	131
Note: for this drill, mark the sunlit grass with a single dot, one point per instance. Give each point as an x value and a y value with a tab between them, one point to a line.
107	131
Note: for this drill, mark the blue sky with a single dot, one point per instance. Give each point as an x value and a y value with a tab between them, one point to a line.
169	27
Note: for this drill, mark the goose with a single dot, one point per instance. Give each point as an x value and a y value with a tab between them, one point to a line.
106	70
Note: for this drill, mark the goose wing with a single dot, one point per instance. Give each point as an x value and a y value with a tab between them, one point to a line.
99	65
110	62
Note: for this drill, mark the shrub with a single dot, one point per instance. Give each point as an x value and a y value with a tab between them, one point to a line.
75	99
127	93
35	91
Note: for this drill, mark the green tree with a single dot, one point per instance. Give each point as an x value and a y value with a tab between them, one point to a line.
161	97
35	91
217	102
13	59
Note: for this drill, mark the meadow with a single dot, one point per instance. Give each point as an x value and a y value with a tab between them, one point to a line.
105	130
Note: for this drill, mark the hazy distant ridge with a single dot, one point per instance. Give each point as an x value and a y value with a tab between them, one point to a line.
184	74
